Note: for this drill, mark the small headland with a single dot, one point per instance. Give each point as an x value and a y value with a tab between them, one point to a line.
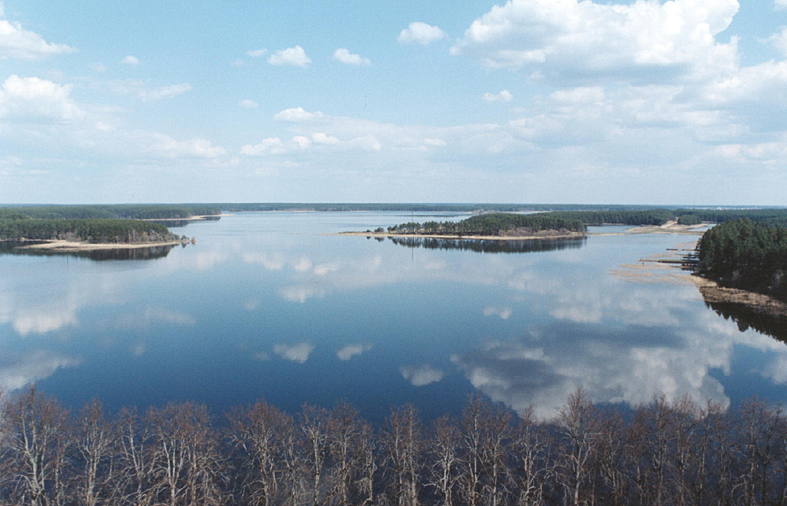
72	229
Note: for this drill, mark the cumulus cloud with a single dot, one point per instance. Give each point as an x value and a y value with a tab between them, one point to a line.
325	139
34	99
345	56
421	375
352	350
248	104
420	33
131	61
293	56
780	4
17	43
644	40
294	352
504	96
297	114
256	53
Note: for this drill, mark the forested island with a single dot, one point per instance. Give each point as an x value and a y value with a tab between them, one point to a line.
661	452
499	226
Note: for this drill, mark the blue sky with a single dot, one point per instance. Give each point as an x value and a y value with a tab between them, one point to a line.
531	101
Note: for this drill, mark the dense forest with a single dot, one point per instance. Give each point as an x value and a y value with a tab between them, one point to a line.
490	245
747	255
660	453
492	224
88	230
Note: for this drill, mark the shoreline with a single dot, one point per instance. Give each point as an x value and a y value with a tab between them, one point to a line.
198	217
464	237
75	246
758	303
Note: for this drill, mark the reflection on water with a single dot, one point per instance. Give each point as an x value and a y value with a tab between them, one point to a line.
490	246
151	253
746	318
273	306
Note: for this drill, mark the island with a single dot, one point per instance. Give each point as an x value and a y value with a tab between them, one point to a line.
491	226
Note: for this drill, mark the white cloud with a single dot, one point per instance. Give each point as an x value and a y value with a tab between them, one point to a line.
430	141
99	67
256	53
573	39
17	43
345	56
504	96
420	33
421	375
294	352
269	145
248	104
34	99
352	350
322	138
192	148
301	142
129	60
779	40
297	114
294	56
780	4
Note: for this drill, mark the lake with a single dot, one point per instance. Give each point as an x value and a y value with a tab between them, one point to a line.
270	305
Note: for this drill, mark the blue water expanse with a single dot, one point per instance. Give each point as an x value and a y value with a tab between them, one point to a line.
271	305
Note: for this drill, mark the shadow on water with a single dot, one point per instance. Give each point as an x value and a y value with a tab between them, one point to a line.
490	246
151	253
746	318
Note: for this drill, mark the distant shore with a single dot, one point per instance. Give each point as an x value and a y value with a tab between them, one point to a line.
75	246
544	235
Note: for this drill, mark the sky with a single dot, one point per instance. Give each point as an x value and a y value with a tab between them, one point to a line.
680	102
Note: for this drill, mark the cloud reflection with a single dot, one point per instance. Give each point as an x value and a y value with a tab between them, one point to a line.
421	375
20	371
352	350
294	352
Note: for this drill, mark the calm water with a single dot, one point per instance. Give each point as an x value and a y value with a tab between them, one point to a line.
266	305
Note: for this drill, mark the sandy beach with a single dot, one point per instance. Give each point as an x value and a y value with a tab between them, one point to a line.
74	246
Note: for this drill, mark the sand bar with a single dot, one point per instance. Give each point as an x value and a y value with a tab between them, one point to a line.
74	246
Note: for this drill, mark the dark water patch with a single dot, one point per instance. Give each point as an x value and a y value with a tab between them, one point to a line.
490	246
748	318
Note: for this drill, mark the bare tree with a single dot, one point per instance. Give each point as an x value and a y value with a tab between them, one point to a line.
257	433
578	422
403	436
344	434
314	426
133	477
532	467
444	453
93	440
367	454
37	445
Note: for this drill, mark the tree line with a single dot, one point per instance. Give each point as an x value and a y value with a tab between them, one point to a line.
492	224
89	230
114	211
661	453
746	254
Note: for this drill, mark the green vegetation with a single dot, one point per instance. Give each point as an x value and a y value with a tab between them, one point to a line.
93	231
493	224
746	254
689	219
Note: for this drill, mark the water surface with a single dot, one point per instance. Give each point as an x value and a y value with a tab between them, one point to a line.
270	305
